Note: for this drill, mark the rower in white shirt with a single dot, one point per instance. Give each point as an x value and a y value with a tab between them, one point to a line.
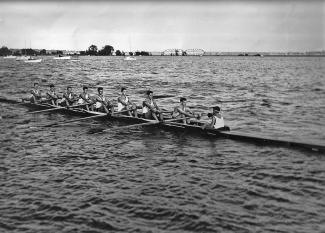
102	104
124	103
84	98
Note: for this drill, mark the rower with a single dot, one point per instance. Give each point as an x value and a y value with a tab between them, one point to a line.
51	95
183	111
101	103
36	94
150	108
217	121
124	103
84	98
69	97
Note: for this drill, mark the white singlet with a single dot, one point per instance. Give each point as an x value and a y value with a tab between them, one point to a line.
82	101
219	122
177	114
35	92
145	109
99	104
121	106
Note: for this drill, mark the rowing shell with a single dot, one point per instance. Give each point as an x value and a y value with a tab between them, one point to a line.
193	127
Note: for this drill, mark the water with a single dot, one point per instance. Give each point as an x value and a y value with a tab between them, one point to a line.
151	180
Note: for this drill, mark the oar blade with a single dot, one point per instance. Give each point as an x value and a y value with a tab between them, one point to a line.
163	96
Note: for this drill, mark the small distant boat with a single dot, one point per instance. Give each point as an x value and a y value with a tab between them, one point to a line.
33	60
129	58
9	57
60	57
22	58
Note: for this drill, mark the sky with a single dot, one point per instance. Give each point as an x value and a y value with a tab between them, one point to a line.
225	26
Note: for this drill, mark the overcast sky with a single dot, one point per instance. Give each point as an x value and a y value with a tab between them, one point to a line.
156	26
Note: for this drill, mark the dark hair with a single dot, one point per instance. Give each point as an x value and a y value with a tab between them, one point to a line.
69	87
84	88
99	88
149	92
36	83
51	85
210	114
217	108
182	99
123	88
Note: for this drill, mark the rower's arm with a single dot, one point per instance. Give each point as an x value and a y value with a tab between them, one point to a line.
145	103
156	106
84	98
74	96
181	111
130	102
189	110
213	122
119	99
34	94
50	95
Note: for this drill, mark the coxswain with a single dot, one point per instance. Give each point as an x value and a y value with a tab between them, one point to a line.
150	108
69	97
217	121
124	103
84	98
36	94
51	95
182	111
102	104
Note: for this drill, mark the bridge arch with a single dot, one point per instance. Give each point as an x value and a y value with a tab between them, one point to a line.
194	52
172	52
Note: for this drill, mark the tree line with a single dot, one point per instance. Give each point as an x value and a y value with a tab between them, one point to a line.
92	50
108	50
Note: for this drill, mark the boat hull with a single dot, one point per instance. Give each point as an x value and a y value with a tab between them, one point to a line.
33	61
62	58
9	57
22	58
195	127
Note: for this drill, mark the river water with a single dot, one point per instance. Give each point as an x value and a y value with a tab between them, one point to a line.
64	179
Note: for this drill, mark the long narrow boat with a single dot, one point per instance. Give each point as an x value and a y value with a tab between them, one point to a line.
194	127
62	58
33	60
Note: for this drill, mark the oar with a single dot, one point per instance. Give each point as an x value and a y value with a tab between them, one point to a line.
74	120
79	105
163	96
236	101
116	113
57	108
47	110
137	125
10	101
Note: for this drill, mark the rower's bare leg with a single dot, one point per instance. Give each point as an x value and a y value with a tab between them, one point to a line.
135	112
188	121
106	109
33	99
111	109
67	103
155	116
128	112
87	108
